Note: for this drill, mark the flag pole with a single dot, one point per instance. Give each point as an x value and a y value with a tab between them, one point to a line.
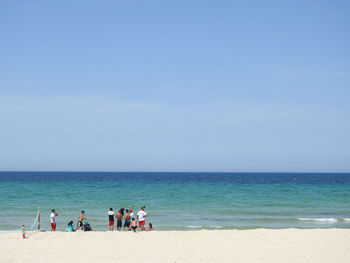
39	218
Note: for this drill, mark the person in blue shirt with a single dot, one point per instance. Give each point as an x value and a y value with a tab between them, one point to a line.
70	227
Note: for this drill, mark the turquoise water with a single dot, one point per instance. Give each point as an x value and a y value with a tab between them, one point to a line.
179	201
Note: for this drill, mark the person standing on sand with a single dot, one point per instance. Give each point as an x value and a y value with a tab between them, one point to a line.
141	215
111	219
119	217
52	220
127	218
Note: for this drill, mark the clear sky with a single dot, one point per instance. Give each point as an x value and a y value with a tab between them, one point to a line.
182	85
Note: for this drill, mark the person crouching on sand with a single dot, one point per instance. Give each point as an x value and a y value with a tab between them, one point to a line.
52	220
133	224
70	227
150	227
111	219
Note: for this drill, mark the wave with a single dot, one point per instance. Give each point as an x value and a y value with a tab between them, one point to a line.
344	220
330	220
202	227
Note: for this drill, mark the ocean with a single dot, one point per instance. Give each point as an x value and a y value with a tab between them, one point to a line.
179	201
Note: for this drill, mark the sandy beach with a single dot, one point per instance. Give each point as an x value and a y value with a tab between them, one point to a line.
261	245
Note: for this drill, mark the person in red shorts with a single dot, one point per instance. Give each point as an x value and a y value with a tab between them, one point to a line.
111	219
52	220
141	215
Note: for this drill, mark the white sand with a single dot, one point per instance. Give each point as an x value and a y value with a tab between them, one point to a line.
263	245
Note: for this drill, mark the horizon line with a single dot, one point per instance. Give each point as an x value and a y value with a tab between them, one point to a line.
233	172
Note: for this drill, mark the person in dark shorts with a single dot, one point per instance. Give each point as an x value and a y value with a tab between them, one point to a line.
111	219
127	220
119	217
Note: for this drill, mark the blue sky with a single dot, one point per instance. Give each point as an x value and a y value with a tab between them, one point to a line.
150	85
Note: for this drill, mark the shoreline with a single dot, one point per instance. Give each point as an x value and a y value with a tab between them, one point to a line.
190	229
258	245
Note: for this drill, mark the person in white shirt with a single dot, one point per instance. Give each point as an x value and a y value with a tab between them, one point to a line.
141	215
131	212
52	220
111	219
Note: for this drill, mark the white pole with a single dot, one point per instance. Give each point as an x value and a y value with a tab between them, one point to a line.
39	218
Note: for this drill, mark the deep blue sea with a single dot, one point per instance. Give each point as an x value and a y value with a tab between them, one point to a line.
179	201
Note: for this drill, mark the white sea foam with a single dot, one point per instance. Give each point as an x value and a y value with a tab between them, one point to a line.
329	220
205	226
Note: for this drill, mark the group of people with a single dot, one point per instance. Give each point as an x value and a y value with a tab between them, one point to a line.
131	222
